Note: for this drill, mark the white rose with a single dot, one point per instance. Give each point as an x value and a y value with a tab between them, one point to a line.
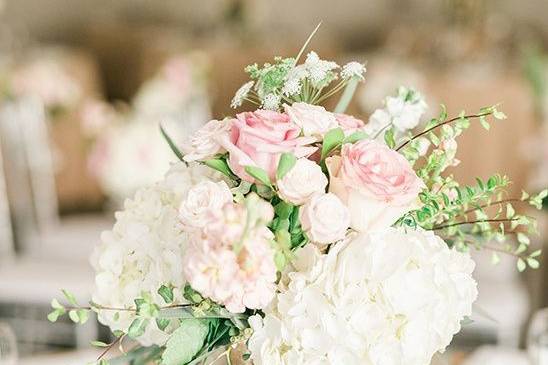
302	181
204	142
202	198
325	218
313	119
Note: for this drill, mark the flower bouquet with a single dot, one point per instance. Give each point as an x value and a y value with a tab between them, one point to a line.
303	235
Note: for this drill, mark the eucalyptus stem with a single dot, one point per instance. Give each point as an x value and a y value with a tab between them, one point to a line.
487	205
437	228
442	124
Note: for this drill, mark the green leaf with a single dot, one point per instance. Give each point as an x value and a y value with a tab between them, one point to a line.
55	304
355	137
533	263
54	315
510	212
484	123
83	315
287	161
166	292
499	115
331	140
521	265
346	96
172	144
99	344
523	239
185	342
536	253
258	174
162	323
73	315
389	138
220	165
137	327
70	297
283	210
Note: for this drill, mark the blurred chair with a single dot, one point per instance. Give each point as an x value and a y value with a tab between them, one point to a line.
6	233
52	252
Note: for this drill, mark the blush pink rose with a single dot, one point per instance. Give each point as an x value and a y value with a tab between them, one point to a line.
349	124
259	138
376	183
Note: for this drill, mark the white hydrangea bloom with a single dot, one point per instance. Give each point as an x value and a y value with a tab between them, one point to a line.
353	70
241	94
144	250
390	297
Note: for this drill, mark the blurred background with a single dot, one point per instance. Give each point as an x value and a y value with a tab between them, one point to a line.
84	85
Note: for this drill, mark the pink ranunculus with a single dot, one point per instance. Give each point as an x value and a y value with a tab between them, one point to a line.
377	184
349	124
259	138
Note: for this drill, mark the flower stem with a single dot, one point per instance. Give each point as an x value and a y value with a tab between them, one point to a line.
442	124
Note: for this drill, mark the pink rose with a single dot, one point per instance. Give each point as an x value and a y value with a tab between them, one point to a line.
349	124
313	119
259	138
377	184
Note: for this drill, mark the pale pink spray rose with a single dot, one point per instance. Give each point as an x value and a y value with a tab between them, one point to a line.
233	269
205	142
325	218
259	138
349	124
200	199
313	119
376	183
305	179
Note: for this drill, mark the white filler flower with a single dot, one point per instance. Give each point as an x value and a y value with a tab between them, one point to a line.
391	297
144	250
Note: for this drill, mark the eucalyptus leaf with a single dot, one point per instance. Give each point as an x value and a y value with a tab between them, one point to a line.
137	327
166	292
185	343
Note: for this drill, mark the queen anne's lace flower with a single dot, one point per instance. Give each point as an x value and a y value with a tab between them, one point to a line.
144	250
241	94
392	297
318	69
353	70
271	102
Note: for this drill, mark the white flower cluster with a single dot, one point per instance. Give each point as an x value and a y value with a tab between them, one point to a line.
144	251
241	94
391	297
316	70
129	156
403	111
